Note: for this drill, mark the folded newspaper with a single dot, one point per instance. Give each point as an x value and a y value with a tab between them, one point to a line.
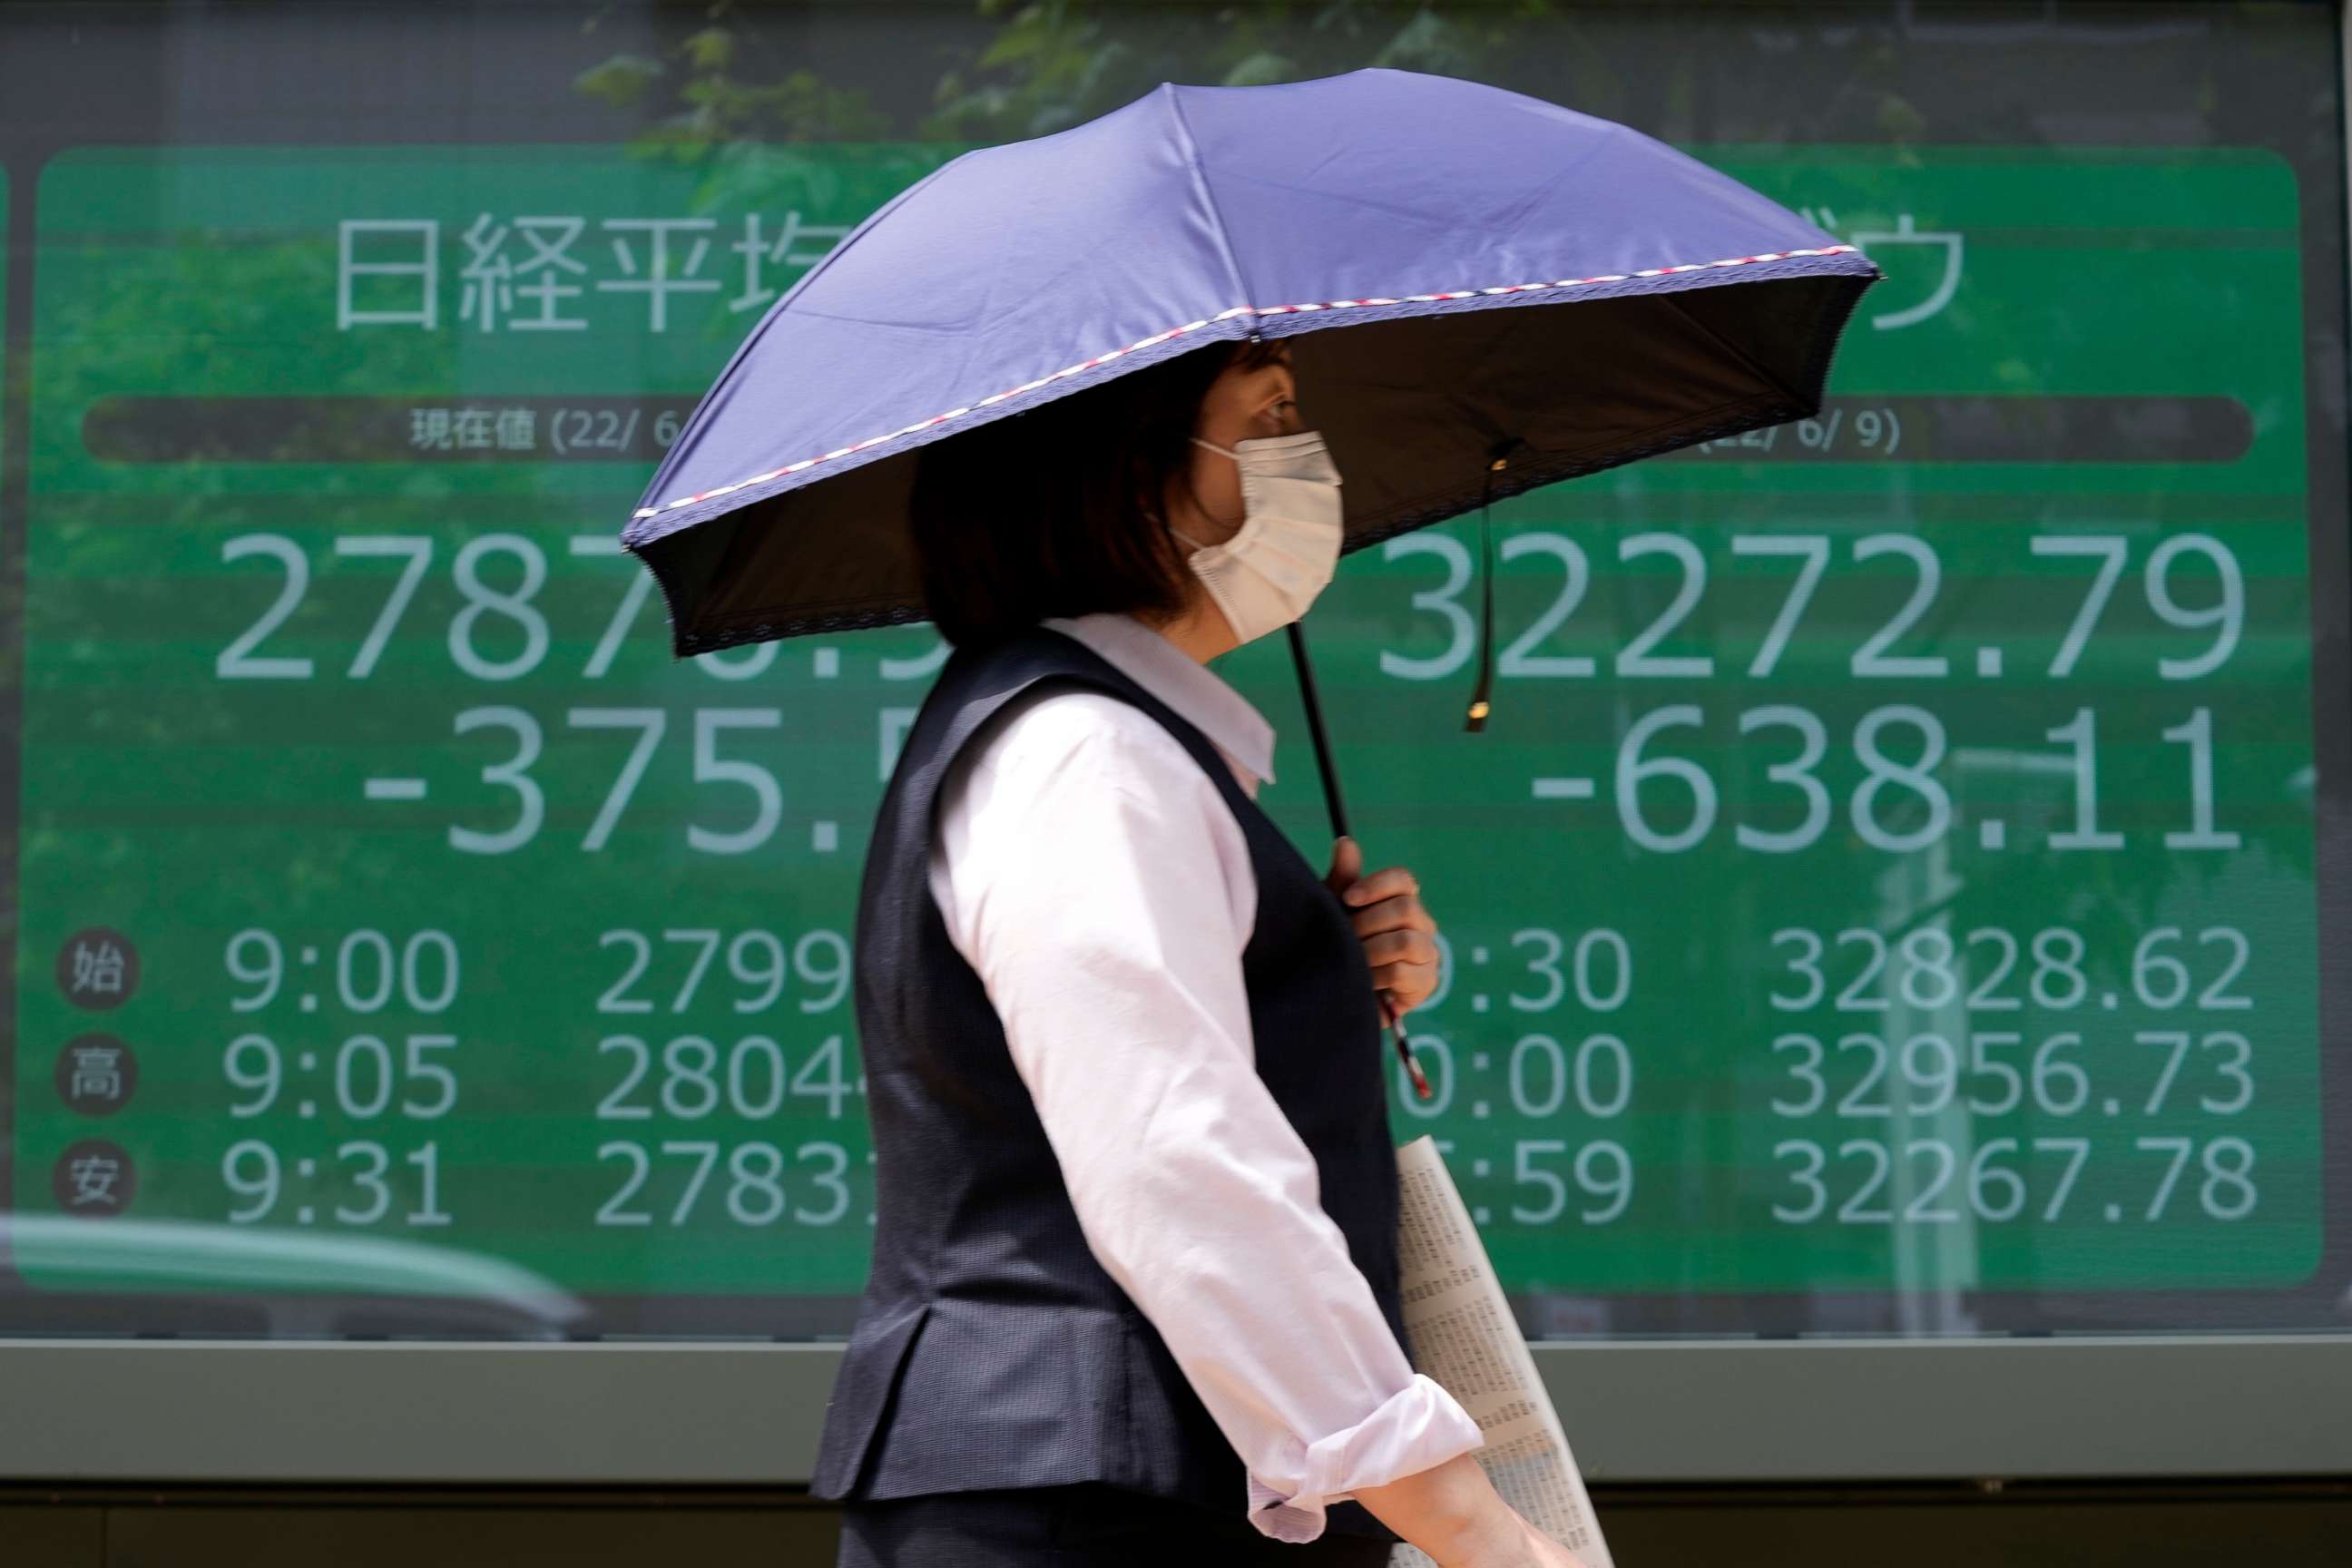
1464	1336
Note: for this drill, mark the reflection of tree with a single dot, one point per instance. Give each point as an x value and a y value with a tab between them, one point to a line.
1047	65
716	104
130	596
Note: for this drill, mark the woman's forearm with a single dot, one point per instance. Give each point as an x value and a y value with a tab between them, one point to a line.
1450	1510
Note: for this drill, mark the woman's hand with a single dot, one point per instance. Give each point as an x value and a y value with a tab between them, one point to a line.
1452	1512
1540	1550
1399	936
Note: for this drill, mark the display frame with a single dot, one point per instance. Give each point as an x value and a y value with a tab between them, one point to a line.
1805	1408
1794	1410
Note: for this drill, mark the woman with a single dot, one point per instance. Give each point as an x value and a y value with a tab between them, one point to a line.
1134	1293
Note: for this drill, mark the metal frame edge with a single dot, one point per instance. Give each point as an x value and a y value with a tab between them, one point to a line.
734	1414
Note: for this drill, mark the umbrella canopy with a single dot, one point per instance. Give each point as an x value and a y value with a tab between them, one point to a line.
1466	271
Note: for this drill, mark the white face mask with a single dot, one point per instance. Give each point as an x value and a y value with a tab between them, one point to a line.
1268	572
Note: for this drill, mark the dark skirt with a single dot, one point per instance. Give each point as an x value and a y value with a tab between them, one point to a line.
1074	1527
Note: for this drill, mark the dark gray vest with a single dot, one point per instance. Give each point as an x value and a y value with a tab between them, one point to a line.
991	1349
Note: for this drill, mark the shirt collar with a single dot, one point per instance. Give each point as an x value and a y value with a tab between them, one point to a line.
1199	696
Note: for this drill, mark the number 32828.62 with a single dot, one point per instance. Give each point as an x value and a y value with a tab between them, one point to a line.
1990	970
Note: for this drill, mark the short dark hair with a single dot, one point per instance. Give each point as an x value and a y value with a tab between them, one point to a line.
1056	511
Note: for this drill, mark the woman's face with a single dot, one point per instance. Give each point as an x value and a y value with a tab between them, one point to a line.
1240	406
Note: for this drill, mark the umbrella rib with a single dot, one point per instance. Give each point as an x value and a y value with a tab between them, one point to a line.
1158	338
1208	197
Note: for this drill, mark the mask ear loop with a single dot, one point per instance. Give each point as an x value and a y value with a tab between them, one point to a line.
1480	699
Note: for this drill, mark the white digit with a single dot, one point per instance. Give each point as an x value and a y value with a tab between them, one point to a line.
1614	1048
1631	771
633	599
1981	1173
2082	1151
1810	1177
2146	963
1545	963
1555	1075
2109	551
2196	734
1813	550
1525	1171
1622	961
1520	657
1813	740
708	723
1918	776
2178	1040
2229	614
411	967
1871	659
1635	659
830	1180
513	774
2239	1174
2217	996
1620	1185
235	661
2082	730
648	723
1440	600
1808	1071
2179	1148
2241	1052
419	552
1809	964
482	599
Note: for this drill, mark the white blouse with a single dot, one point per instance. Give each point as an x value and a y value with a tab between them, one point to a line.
1095	880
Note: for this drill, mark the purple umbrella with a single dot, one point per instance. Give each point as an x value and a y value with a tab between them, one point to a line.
1489	293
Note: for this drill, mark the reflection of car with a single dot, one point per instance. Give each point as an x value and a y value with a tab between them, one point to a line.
65	1275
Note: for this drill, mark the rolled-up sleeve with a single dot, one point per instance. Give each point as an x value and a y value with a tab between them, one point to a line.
1099	886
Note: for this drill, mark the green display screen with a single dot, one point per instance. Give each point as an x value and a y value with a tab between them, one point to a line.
1894	871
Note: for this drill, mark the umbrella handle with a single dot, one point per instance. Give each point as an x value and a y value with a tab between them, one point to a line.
1314	706
1338	810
